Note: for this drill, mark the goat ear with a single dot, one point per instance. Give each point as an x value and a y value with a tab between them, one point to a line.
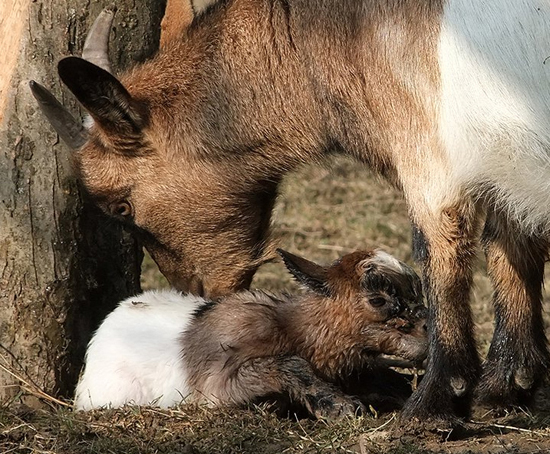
102	95
308	273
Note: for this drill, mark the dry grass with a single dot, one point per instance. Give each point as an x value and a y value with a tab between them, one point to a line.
320	215
195	430
191	429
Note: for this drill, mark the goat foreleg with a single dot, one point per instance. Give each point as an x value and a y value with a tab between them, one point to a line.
446	247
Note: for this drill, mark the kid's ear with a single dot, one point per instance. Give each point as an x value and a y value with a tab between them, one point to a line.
102	95
307	273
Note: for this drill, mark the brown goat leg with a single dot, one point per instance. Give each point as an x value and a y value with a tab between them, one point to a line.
292	377
445	247
518	358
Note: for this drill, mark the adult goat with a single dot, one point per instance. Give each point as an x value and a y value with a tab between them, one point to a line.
448	99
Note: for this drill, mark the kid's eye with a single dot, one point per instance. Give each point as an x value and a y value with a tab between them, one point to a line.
377	302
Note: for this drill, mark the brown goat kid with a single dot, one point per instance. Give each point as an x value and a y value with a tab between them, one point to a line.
448	99
164	347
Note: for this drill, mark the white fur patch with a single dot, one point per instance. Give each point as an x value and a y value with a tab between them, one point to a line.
495	108
135	355
200	5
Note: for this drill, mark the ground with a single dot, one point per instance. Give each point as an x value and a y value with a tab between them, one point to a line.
320	215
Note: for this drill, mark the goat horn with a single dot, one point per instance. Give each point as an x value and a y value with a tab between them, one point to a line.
96	46
69	129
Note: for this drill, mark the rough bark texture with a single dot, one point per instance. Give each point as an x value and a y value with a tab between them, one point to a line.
63	265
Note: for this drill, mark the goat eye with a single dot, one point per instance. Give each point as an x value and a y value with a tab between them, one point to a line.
123	209
377	302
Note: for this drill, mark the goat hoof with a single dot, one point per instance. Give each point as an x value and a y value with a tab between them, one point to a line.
459	386
524	379
503	389
431	401
337	407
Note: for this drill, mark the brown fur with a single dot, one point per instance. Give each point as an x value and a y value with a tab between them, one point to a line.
252	345
202	177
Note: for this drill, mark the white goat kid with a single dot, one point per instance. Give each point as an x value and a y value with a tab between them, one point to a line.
134	357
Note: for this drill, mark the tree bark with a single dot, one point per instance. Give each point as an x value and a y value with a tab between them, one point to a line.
63	265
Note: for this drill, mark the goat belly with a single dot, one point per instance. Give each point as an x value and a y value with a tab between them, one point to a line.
135	355
494	106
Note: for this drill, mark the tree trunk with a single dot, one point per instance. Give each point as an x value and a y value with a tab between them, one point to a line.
63	265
